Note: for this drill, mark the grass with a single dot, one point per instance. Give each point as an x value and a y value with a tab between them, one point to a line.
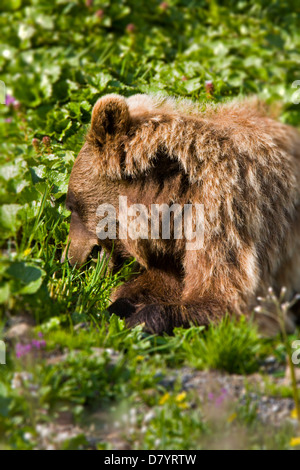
91	371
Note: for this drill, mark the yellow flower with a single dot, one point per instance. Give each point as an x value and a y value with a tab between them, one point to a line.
183	406
27	252
295	442
140	358
232	418
181	397
294	414
164	399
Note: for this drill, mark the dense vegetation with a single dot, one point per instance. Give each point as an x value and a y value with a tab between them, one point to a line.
56	58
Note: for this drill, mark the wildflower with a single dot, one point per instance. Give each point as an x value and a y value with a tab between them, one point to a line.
181	397
8	120
27	436
232	418
16	381
10	100
47	142
99	13
164	398
22	349
222	397
294	414
209	87
132	416
164	6
16	105
36	144
184	78
130	28
140	358
148	417
89	3
43	431
62	437
19	378
27	252
157	442
295	442
183	406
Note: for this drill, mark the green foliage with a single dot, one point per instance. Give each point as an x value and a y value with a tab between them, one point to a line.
232	345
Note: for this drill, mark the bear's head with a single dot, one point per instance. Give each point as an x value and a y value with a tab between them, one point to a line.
121	146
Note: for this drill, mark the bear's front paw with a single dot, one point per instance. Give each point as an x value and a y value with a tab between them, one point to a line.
122	307
155	319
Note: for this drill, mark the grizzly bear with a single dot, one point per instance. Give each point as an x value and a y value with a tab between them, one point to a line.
234	160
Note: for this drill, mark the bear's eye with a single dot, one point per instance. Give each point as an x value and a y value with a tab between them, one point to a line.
95	251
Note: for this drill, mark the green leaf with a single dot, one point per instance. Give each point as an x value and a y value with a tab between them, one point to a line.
9	216
4	292
29	276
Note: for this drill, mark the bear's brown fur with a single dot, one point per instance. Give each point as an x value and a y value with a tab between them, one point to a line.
240	163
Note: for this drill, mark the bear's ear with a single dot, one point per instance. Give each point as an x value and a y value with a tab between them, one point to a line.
110	118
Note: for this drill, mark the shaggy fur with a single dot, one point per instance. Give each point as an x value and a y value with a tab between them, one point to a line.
240	163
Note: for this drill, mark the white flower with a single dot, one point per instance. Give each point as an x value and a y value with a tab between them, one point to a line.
148	416
62	437
25	31
43	431
157	442
19	378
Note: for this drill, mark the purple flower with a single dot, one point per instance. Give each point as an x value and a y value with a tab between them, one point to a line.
9	100
8	120
40	334
37	344
222	397
22	349
46	140
218	400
